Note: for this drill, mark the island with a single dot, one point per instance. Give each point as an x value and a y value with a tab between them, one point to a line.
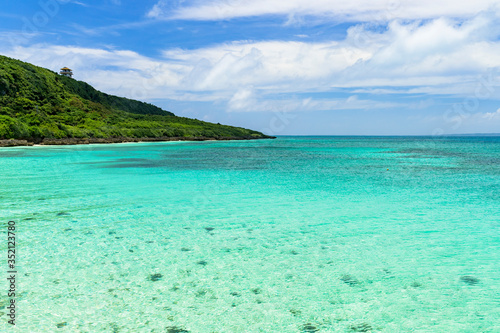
39	106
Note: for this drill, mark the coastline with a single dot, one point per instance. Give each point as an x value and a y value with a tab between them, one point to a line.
84	141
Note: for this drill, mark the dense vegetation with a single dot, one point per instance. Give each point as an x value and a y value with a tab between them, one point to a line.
38	104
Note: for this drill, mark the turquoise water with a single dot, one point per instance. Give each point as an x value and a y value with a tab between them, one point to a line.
297	234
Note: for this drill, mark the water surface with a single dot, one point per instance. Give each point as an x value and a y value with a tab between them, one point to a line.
297	234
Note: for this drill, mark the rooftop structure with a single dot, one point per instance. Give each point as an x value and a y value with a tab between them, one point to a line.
66	72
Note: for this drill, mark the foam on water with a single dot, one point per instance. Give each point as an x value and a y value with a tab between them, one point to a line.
286	235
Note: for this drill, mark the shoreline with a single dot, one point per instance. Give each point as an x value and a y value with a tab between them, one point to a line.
86	141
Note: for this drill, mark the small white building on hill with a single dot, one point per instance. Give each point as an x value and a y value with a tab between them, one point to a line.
66	72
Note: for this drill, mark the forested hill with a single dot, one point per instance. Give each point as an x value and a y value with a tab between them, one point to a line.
41	106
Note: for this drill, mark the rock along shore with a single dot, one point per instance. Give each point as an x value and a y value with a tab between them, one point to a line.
85	141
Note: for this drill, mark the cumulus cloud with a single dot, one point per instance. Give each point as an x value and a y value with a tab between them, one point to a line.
245	100
438	53
440	56
354	10
491	115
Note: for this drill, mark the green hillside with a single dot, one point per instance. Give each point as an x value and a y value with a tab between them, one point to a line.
40	106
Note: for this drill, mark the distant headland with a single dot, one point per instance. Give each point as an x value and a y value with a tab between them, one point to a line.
39	106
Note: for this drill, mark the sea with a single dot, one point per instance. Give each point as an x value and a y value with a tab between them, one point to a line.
295	234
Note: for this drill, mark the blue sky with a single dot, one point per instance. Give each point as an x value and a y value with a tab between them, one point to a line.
320	67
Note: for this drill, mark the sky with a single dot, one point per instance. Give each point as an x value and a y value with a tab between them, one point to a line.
295	67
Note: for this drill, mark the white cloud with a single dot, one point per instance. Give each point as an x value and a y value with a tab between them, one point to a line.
249	101
243	99
439	53
76	3
157	10
440	56
491	115
467	122
354	10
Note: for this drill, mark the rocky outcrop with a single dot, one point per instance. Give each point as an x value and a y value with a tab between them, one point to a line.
85	141
15	143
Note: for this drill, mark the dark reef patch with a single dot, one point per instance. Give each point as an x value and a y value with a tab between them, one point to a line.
308	328
416	284
176	329
155	277
256	291
469	279
349	280
200	293
362	327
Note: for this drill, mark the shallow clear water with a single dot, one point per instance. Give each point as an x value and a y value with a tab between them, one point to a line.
298	234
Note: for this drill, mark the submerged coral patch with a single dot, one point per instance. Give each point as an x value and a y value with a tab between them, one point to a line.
362	327
308	328
176	329
349	280
155	277
256	291
469	279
